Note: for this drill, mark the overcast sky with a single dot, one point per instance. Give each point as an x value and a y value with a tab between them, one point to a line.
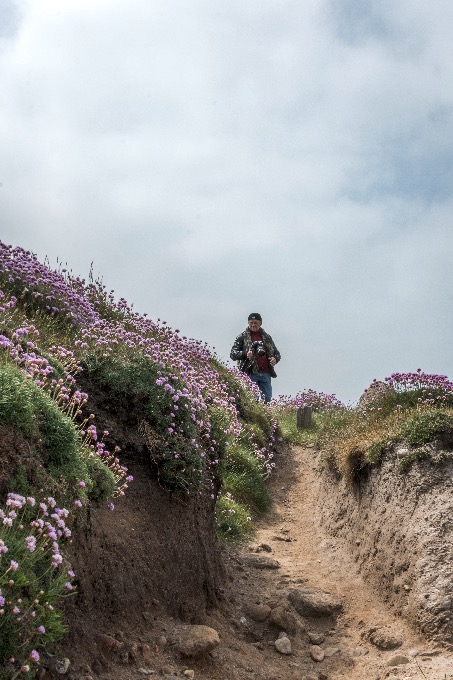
218	157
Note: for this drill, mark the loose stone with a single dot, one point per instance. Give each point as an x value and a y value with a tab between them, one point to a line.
196	640
316	653
283	619
107	643
63	666
161	643
384	639
258	612
283	645
313	602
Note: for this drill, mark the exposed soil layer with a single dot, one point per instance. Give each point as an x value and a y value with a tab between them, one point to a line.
154	554
399	528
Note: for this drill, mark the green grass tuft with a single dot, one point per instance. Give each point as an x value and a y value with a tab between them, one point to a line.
425	426
244	479
234	521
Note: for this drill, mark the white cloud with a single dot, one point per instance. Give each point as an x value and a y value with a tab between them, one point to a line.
216	158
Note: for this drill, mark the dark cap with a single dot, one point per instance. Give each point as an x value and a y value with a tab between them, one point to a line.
256	316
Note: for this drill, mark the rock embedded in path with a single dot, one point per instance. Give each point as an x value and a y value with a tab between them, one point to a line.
196	641
384	639
314	602
260	562
283	619
257	612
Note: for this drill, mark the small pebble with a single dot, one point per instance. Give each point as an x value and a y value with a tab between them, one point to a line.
316	653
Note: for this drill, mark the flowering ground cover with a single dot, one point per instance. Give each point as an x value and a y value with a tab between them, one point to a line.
58	332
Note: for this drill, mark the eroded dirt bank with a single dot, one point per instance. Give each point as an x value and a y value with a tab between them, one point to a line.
360	638
399	528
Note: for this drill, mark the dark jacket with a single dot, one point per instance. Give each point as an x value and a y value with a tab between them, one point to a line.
243	344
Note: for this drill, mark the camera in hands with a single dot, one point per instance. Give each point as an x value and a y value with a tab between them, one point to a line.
258	348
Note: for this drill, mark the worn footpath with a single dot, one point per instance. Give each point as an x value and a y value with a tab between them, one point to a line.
362	639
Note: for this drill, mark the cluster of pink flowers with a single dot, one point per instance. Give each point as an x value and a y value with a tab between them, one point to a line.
184	372
413	388
318	401
31	532
43	287
109	328
430	384
63	390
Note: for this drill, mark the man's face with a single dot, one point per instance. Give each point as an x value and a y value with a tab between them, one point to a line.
254	325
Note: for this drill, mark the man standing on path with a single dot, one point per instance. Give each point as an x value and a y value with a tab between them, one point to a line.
256	354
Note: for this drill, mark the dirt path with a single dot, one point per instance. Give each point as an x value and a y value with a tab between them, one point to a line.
293	535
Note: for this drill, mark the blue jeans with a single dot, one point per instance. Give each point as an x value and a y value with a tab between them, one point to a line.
263	380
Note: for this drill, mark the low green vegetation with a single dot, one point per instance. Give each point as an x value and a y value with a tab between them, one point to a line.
414	409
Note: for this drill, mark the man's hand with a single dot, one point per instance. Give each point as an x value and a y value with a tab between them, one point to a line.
272	361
